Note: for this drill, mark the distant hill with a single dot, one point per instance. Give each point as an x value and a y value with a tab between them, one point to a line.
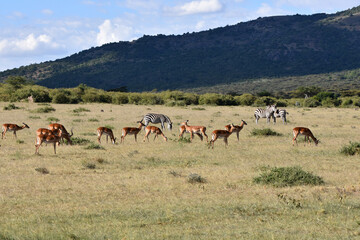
271	47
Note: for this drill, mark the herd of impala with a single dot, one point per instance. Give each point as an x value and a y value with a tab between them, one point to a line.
57	132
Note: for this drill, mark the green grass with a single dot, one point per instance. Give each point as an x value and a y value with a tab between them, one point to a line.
141	190
46	109
11	106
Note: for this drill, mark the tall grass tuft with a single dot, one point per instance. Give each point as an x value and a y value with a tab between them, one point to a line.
351	149
79	141
195	178
42	170
81	109
46	109
11	106
264	132
94	146
287	177
52	119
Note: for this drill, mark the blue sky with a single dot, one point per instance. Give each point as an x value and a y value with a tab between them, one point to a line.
34	31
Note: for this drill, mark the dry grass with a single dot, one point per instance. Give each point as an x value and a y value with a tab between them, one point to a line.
130	194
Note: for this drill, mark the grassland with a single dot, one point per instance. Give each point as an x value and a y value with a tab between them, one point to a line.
140	190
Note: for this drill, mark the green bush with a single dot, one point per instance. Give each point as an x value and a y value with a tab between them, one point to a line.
61	97
195	178
351	149
94	146
52	119
287	177
79	141
264	101
264	132
120	98
246	99
81	109
44	110
311	102
11	106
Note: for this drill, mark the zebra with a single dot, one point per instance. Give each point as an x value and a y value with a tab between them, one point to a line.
157	118
265	113
281	113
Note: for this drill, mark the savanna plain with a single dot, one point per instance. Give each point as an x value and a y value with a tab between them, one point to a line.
141	190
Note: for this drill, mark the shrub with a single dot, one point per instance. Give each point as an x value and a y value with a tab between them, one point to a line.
184	140
95	146
351	149
61	97
42	170
311	102
81	109
11	106
52	119
120	98
195	178
264	132
264	101
79	141
89	165
246	99
287	176
93	120
44	110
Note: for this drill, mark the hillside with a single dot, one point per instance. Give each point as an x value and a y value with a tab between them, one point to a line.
271	47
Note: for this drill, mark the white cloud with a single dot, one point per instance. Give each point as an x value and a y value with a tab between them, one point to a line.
267	10
113	32
47	11
200	25
30	45
195	7
328	6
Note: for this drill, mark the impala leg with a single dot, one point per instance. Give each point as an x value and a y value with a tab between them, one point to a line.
155	136
191	136
200	136
294	139
207	140
237	135
15	134
226	141
55	147
99	136
107	138
135	135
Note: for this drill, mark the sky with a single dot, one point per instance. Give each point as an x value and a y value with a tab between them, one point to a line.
34	31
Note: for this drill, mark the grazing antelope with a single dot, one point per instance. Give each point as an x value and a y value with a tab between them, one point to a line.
47	138
221	134
64	132
237	128
131	131
9	127
153	129
306	132
46	131
108	132
198	130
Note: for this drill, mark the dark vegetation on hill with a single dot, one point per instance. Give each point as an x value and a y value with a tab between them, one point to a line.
266	48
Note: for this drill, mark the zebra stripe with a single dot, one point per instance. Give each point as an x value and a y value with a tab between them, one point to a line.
157	118
281	113
265	113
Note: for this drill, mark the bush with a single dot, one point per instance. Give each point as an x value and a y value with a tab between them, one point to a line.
52	119
81	109
264	101
42	170
287	176
246	99
79	141
95	146
264	132
120	98
195	178
44	110
61	97
347	102
351	149
311	102
11	106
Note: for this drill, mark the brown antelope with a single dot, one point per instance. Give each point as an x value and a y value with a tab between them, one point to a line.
237	128
198	130
9	127
64	132
306	132
221	134
153	129
131	131
47	138
46	131
108	132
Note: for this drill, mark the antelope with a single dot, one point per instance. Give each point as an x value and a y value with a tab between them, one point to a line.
9	127
64	132
306	132
221	134
46	131
108	132
47	138
198	130
237	128
131	131
153	129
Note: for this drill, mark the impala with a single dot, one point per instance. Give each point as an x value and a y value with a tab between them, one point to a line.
198	130
108	132
9	127
47	138
153	129
237	128
221	134
131	131
46	131
306	132
64	134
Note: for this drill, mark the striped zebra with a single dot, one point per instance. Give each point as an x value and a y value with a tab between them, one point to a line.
265	113
281	113
157	118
